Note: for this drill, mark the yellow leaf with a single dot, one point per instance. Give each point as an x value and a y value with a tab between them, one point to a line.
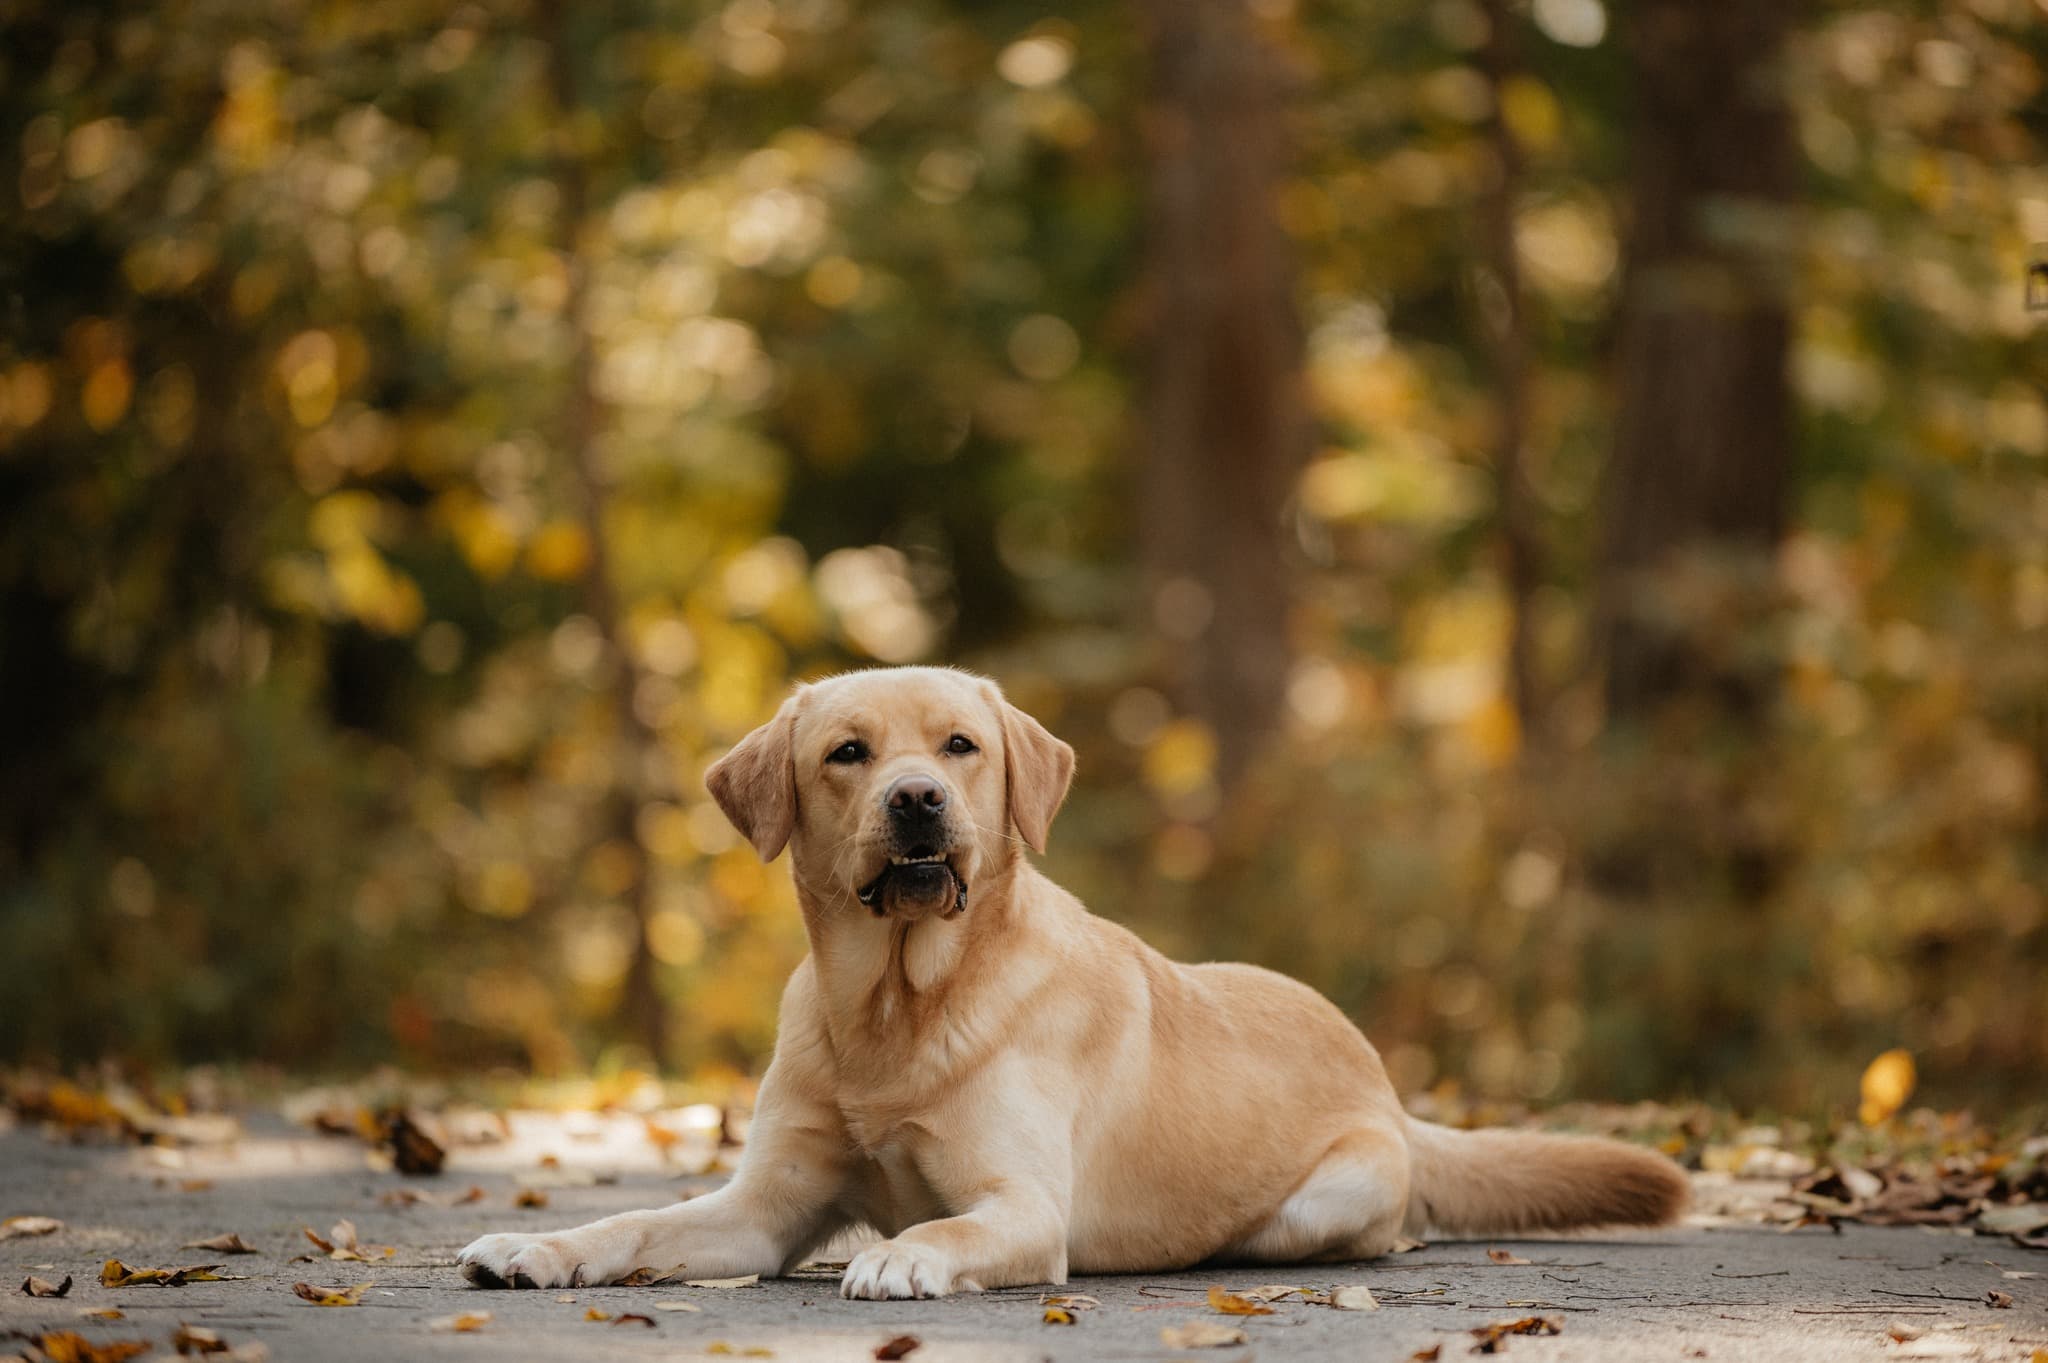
462	1323
558	552
1058	1315
1887	1084
331	1296
1230	1304
15	1226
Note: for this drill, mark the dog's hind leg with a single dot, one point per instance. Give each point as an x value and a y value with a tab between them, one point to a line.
1349	1207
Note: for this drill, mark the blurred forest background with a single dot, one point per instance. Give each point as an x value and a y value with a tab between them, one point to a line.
1533	515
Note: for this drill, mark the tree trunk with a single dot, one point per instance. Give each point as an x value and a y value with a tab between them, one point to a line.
1504	315
1703	429
1224	428
582	420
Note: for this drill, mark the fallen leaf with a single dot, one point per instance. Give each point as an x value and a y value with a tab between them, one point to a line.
1899	1331
898	1347
1070	1301
530	1197
68	1346
1493	1338
104	1313
677	1306
231	1243
634	1318
462	1323
1429	1355
1995	1298
114	1273
1230	1304
2023	1218
332	1296
413	1151
1200	1334
2020	1273
15	1227
341	1244
1271	1292
1058	1315
1501	1256
1887	1084
197	1339
751	1280
195	1185
1357	1297
719	1346
597	1314
43	1287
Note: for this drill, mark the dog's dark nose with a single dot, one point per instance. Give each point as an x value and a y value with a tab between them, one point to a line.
911	796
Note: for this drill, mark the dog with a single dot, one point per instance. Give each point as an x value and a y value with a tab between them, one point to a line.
1009	1089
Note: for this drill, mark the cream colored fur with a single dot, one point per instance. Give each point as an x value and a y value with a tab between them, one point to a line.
1024	1090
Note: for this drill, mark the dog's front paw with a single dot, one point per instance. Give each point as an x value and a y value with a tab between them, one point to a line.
896	1269
516	1260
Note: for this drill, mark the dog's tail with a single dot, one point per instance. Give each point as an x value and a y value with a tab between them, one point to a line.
1493	1182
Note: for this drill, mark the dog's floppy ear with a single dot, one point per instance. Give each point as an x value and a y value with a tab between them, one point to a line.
1038	768
755	783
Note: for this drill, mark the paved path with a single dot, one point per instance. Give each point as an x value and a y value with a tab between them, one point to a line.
1720	1293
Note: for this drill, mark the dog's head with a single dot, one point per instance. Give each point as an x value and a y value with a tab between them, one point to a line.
897	789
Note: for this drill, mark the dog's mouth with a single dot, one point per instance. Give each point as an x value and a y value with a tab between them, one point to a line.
915	884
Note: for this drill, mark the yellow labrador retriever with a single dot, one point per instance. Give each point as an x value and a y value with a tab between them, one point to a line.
1009	1088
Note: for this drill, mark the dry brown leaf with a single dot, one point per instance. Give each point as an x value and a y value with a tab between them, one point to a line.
751	1280
114	1273
68	1346
648	1277
635	1318
231	1243
1357	1297
341	1244
1493	1338
1200	1334
1058	1315
104	1313
2001	1300
898	1348
43	1287
1070	1301
332	1296
1230	1304
195	1185
16	1227
413	1151
530	1197
1429	1355
1502	1256
461	1323
194	1340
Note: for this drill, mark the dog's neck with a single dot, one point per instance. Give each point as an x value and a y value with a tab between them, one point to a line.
871	970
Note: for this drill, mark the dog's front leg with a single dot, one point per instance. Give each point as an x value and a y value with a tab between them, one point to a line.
785	1199
1000	1148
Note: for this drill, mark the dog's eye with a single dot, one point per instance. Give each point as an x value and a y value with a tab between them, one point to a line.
853	750
961	743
